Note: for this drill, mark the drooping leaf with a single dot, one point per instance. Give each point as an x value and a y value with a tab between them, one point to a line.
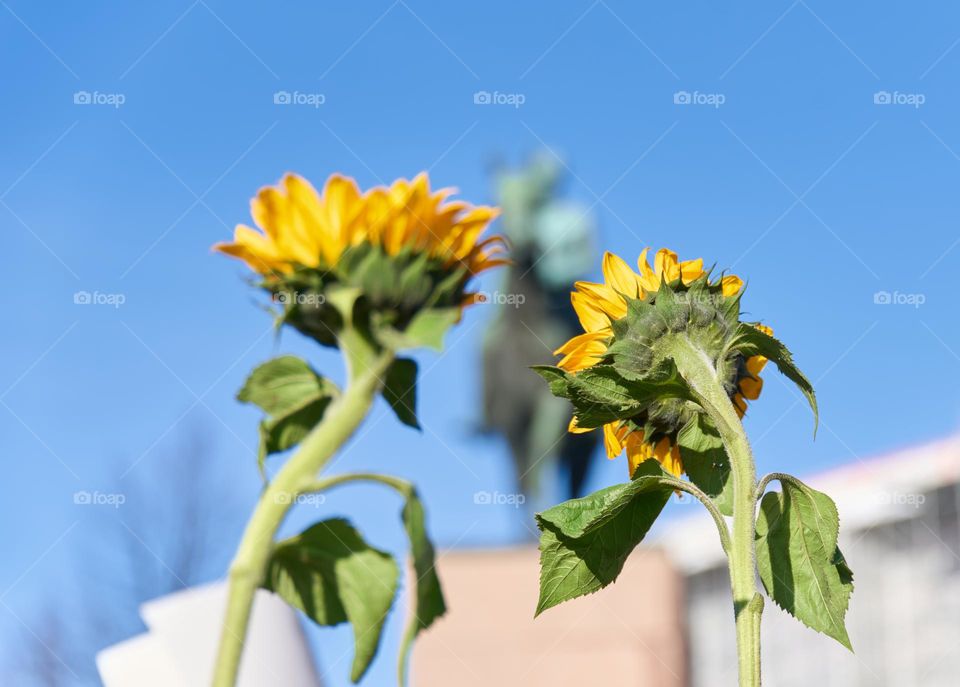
752	341
585	542
429	603
705	461
331	574
400	390
294	397
283	385
286	431
800	565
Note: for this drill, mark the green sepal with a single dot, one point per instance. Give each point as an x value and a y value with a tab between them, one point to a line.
585	542
293	396
706	462
310	312
400	390
415	283
750	341
331	574
799	562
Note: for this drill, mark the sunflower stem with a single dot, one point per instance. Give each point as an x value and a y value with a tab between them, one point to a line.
366	367
700	373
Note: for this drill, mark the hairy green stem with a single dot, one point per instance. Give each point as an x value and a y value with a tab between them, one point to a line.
699	372
697	493
774	476
366	368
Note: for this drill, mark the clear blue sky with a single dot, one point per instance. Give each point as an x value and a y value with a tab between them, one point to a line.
799	181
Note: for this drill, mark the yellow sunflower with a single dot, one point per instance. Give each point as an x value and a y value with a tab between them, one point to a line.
598	305
300	227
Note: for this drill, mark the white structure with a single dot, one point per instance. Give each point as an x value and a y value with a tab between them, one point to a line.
900	533
180	646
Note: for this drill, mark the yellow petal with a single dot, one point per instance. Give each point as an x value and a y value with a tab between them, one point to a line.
296	237
665	265
583	351
618	274
672	463
592	317
574	428
637	451
649	281
755	364
579	340
691	270
611	440
607	299
750	388
731	284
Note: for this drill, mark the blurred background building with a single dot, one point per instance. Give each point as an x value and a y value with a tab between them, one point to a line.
668	619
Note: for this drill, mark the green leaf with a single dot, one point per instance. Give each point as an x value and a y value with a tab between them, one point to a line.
555	377
330	573
285	432
429	604
426	330
800	565
294	397
705	461
751	341
400	390
585	542
282	385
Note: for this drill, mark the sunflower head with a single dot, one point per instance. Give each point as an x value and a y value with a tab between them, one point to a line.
620	375
402	250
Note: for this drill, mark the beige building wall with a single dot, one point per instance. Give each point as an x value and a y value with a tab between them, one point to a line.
631	633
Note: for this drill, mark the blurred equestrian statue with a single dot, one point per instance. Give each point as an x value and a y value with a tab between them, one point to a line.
553	245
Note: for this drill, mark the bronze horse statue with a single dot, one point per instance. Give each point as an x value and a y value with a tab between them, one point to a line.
552	246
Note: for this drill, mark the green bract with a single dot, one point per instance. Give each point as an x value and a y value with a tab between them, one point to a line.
393	291
637	382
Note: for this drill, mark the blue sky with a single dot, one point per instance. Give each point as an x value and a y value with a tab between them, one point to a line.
788	166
